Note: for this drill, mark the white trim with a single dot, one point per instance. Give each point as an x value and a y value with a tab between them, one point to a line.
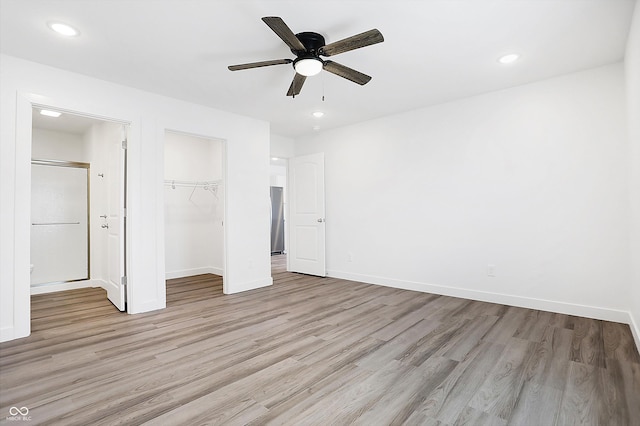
485	296
148	306
252	285
63	286
7	333
22	222
635	330
225	216
195	271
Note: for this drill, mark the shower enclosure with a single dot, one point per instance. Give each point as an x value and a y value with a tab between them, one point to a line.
59	221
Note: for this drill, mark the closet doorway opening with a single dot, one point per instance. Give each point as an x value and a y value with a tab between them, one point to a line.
194	213
78	201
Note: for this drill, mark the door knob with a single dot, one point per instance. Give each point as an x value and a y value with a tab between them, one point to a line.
320	220
105	225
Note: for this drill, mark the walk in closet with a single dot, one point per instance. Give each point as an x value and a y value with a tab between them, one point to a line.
194	205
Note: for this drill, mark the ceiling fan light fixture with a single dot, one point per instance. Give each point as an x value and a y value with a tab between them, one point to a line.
308	66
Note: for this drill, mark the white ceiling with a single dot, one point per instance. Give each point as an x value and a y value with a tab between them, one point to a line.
434	50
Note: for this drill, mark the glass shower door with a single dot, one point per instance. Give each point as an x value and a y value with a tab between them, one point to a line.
59	221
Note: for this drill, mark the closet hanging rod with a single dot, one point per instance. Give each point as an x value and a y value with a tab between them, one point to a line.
191	184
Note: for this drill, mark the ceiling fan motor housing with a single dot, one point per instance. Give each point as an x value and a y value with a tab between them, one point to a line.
312	43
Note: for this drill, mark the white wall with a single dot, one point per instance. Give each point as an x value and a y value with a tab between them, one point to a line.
532	180
55	145
23	84
278	175
632	72
281	146
193	217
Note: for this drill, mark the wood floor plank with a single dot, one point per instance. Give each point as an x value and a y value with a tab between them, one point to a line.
618	343
395	347
402	398
588	345
312	350
583	399
447	400
473	417
499	392
549	361
536	405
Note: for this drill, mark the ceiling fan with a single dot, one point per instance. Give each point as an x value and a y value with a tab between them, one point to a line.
308	47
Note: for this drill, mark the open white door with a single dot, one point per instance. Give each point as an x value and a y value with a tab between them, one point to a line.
116	267
306	218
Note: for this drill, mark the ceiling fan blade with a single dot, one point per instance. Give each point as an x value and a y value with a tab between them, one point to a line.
296	85
346	72
366	38
259	64
284	32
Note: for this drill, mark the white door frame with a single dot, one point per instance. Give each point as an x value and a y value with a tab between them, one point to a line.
25	103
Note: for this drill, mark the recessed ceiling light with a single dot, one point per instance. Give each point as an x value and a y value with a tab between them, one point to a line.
63	29
275	158
318	114
50	113
509	59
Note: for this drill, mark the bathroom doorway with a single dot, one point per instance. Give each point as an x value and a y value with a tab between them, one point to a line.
78	199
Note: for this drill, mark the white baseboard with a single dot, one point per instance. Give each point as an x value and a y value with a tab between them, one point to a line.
195	271
8	333
53	287
505	299
149	306
251	285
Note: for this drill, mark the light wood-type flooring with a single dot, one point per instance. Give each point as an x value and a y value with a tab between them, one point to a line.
316	351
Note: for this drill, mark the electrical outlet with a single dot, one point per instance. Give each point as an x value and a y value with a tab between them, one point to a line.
349	257
491	270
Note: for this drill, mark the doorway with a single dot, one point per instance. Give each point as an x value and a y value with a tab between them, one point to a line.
78	200
194	208
307	215
279	207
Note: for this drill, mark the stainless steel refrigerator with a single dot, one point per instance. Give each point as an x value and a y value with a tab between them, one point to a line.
277	220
